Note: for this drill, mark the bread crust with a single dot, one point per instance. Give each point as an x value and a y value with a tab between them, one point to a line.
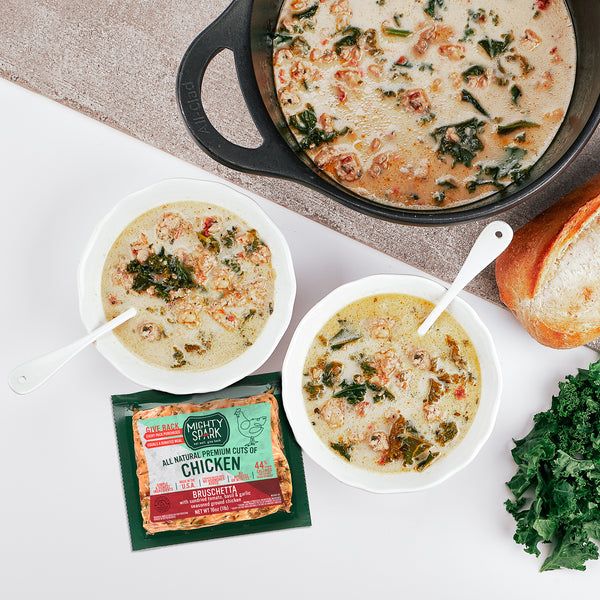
524	268
281	464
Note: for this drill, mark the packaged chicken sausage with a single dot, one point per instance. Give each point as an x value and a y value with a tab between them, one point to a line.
209	465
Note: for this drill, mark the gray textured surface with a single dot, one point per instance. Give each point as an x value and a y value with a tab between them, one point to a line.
116	61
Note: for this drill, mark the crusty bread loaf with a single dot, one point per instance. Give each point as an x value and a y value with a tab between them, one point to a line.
550	274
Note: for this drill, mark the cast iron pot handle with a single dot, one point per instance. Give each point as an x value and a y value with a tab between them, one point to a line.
228	31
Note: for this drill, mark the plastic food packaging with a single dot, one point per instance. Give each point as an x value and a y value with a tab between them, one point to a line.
212	465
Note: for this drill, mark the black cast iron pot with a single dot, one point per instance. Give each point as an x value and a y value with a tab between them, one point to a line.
246	28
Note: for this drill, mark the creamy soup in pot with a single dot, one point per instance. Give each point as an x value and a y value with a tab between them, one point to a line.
384	398
201	279
424	103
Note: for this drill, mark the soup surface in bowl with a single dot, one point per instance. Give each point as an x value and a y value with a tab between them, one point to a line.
424	103
201	279
384	398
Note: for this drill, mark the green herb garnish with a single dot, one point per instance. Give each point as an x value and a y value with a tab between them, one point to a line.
353	392
233	264
342	337
308	13
209	241
306	123
432	8
556	483
410	447
460	141
342	449
331	372
300	46
495	48
282	38
505	129
467	33
163	272
295	42
228	238
397	32
351	37
510	168
254	244
421	466
515	94
313	390
446	432
524	64
179	358
367	368
466	96
474	71
380	392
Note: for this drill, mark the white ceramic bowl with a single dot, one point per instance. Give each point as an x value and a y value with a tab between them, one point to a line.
105	234
293	367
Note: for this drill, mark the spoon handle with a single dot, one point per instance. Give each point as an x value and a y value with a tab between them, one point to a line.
491	243
31	375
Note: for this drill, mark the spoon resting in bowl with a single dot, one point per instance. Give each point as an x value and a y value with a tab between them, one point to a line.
491	243
31	375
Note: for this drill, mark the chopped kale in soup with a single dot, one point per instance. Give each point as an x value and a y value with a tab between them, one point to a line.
384	398
388	98
202	282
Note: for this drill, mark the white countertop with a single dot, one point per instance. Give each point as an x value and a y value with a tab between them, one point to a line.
64	533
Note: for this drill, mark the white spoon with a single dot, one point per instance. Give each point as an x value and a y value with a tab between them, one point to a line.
31	375
490	244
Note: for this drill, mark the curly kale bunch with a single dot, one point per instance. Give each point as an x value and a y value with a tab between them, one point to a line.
557	484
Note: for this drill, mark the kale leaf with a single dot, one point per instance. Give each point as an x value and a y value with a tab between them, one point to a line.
432	7
296	43
495	48
466	96
306	123
511	127
351	38
331	373
281	37
344	336
474	71
558	475
460	141
343	450
307	13
446	432
515	93
164	272
497	175
353	392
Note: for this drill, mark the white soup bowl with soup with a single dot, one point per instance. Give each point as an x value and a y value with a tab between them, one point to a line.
380	408
204	266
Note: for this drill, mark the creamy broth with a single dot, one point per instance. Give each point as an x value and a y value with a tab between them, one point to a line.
201	279
425	103
384	398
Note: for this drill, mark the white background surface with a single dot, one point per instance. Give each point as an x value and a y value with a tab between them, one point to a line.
64	532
